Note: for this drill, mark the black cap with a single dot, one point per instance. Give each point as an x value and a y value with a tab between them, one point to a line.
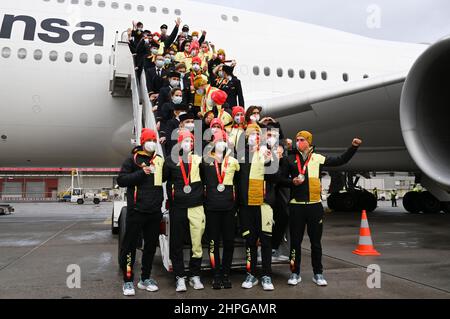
180	107
174	74
228	69
187	116
154	44
185	28
164	26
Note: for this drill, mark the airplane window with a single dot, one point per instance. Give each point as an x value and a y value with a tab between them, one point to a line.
345	77
140	8
61	1
37	55
88	3
114	5
178	12
291	73
224	17
165	11
324	76
153	9
280	72
22	54
98	59
266	71
302	74
75	2
83	57
68	57
236	19
127	6
256	70
6	52
366	76
313	75
101	4
53	55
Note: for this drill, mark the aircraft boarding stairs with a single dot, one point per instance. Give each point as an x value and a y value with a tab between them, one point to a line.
124	84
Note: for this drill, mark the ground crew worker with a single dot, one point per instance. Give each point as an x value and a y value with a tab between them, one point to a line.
305	208
185	193
394	198
220	168
142	174
256	216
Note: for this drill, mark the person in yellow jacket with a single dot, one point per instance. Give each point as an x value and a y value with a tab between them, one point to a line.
237	128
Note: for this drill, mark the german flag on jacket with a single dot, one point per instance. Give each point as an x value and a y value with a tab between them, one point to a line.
144	192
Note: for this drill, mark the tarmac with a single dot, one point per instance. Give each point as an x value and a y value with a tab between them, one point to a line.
40	241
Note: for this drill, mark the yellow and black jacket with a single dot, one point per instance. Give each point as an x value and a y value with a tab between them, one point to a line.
175	183
144	192
310	191
216	200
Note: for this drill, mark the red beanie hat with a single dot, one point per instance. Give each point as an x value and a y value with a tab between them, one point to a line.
238	109
183	134
147	135
219	97
216	121
197	60
220	135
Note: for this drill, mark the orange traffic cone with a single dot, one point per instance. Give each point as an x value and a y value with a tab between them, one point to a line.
365	245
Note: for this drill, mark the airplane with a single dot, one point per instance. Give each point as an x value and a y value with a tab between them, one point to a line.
57	110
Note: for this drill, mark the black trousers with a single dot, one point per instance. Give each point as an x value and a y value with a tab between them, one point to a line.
394	202
311	217
250	218
148	224
179	237
281	219
221	226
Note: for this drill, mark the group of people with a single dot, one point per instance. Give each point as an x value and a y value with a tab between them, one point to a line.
229	172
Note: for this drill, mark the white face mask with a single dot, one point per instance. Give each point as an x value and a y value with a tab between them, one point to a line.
160	63
182	75
200	91
177	99
146	41
254	118
155	51
195	38
186	146
150	147
238	119
196	67
252	140
221	147
220	74
214	130
168	60
272	141
174	83
190	126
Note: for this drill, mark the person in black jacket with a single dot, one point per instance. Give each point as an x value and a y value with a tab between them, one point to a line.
187	216
165	92
142	174
233	87
156	78
305	207
219	170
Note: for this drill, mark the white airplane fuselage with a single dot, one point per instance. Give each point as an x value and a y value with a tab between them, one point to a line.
61	114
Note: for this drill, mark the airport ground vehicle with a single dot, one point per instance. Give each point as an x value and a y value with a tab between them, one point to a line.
6	209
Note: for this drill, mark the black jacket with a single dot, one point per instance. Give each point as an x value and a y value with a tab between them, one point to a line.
155	82
142	194
234	90
301	193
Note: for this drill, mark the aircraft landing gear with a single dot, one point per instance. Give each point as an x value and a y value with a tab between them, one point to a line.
416	202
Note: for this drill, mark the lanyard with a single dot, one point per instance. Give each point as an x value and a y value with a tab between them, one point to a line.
205	99
183	171
220	176
300	170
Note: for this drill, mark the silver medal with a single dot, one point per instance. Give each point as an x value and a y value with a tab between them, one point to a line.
187	189
301	177
220	188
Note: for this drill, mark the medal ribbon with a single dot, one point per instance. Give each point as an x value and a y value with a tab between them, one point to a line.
221	177
299	164
183	171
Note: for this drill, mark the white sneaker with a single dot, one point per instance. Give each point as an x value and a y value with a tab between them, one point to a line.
149	285
276	256
294	279
181	284
319	280
249	282
267	284
128	289
196	283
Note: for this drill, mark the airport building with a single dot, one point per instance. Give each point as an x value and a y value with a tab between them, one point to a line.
46	184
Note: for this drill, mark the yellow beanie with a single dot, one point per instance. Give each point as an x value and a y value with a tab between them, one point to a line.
306	135
252	128
199	81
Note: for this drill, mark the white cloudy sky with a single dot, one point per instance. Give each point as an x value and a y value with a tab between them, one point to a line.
400	20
